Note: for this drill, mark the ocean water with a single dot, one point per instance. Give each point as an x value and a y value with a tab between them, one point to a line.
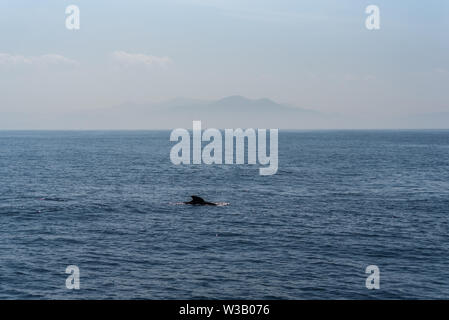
341	200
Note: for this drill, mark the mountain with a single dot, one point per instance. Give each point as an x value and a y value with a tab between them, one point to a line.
228	112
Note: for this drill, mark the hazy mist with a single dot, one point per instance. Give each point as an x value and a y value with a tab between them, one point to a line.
285	64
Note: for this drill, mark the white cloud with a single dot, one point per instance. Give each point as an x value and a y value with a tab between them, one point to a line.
46	59
130	59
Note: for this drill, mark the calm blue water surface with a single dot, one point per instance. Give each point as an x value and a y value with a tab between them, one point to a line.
341	200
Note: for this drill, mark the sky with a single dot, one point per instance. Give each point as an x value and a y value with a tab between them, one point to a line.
316	55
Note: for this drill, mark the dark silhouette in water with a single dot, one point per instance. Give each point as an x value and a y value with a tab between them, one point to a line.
197	201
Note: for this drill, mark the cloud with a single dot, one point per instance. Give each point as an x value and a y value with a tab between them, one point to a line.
46	59
131	59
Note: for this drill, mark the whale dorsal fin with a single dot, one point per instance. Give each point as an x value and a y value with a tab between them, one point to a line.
197	199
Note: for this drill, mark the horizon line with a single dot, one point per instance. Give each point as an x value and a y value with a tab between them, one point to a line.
283	129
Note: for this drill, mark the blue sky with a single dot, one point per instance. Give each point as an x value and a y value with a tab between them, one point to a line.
312	54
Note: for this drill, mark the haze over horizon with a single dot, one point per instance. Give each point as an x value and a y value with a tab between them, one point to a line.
129	58
228	112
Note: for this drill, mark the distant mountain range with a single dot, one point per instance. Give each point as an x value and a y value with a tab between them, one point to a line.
228	112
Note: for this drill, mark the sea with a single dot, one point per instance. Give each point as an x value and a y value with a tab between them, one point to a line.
110	203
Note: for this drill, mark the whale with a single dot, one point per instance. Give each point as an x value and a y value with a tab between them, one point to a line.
198	201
